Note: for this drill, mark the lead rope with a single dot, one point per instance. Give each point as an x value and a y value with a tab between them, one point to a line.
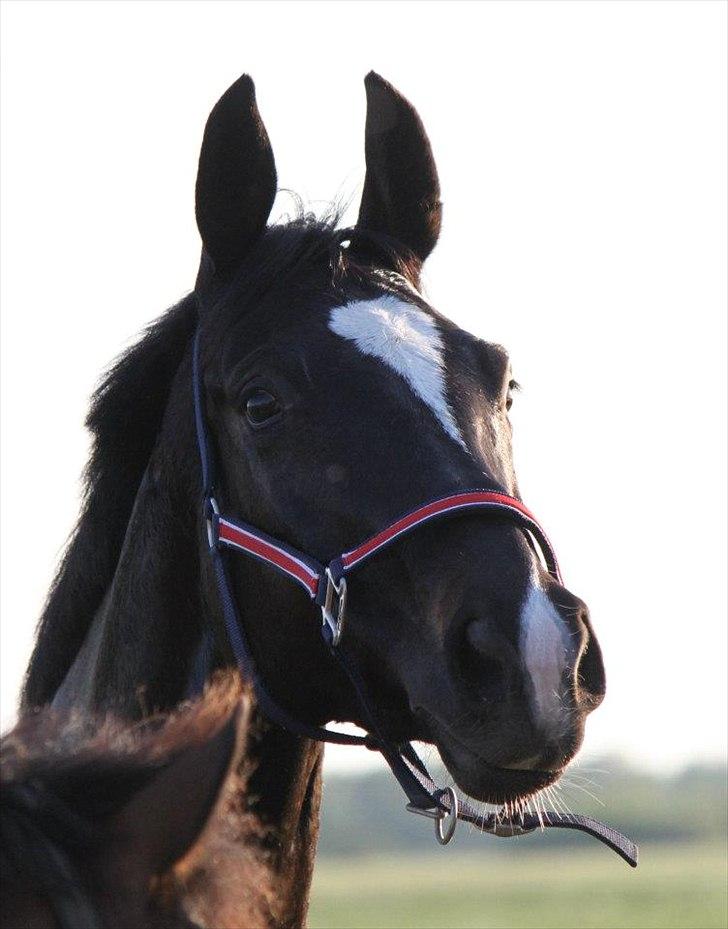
327	587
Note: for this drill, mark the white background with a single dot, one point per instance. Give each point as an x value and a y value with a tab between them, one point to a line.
582	155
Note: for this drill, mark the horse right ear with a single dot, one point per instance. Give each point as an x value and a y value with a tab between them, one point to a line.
401	196
236	178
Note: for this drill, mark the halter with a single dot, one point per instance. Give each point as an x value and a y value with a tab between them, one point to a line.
326	585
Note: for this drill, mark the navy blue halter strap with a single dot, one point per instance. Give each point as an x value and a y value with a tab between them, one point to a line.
326	585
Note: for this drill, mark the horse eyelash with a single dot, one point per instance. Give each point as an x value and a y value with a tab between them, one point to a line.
514	385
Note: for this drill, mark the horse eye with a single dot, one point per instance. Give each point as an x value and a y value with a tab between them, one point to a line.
261	407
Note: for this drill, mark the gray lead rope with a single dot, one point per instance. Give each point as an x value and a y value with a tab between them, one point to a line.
455	808
446	807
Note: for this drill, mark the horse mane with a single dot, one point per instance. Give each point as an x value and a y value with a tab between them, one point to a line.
128	406
124	419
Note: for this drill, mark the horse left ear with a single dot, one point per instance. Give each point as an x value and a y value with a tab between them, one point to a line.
162	820
236	178
401	195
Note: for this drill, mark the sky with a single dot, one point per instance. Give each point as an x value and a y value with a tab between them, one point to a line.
582	157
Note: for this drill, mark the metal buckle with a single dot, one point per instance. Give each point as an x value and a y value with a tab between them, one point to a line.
334	609
447	818
509	830
211	539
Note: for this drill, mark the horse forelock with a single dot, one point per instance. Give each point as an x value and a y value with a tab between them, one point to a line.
306	255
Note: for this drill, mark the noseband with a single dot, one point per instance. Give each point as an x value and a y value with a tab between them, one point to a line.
326	585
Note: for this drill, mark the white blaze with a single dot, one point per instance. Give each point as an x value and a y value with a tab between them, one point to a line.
408	341
544	642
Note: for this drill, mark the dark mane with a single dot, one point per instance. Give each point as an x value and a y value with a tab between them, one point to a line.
127	409
124	419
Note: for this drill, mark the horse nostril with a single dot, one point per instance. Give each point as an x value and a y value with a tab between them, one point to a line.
588	680
486	659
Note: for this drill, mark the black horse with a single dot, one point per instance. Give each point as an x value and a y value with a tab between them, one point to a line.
336	399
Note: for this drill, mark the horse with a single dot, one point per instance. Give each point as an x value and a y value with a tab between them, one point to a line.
105	823
328	397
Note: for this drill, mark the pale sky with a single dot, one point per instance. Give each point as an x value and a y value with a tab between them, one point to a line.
582	158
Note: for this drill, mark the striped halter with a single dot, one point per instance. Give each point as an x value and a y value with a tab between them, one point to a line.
326	585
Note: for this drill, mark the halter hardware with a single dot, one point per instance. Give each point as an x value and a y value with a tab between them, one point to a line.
327	587
511	830
441	814
212	510
333	610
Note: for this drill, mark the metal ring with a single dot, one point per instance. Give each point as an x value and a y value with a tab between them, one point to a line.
341	612
334	608
450	817
211	539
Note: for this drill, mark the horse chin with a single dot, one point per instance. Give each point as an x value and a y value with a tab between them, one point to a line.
492	784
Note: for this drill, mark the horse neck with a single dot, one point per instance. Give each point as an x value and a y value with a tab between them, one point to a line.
151	637
284	797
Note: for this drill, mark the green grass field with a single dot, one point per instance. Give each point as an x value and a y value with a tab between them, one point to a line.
680	886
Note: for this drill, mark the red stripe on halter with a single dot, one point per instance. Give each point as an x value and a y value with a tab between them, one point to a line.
437	507
234	535
309	573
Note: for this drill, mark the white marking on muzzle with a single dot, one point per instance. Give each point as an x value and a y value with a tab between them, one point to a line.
544	643
408	341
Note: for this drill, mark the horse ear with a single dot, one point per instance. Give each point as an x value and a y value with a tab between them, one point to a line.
401	195
236	178
162	820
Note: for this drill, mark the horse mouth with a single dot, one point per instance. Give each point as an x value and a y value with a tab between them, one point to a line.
485	781
493	784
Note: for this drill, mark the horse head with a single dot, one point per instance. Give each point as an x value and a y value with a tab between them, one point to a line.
337	399
96	814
